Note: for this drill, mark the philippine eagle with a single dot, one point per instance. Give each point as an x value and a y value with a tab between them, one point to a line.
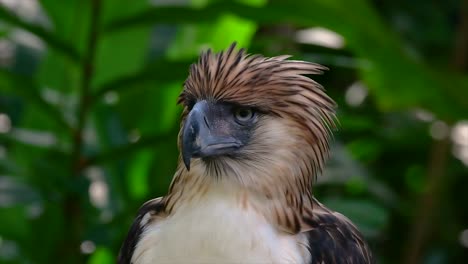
254	134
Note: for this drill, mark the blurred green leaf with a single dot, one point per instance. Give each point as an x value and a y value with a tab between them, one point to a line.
364	149
58	77
181	15
158	73
102	256
115	9
4	32
356	185
138	173
48	37
415	178
14	223
120	54
191	39
355	122
29	90
121	151
48	224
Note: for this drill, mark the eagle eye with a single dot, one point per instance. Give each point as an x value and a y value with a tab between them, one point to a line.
244	114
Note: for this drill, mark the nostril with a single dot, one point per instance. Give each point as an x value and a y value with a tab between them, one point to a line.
206	122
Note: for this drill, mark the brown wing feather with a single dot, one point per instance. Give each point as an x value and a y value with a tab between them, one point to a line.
335	240
145	215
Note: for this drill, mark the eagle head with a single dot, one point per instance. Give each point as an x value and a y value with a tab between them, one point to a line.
255	120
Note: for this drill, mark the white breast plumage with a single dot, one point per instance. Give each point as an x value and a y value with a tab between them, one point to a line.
216	229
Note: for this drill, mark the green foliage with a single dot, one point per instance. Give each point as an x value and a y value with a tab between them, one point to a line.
89	121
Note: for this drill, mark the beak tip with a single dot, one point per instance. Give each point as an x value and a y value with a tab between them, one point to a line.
187	144
187	162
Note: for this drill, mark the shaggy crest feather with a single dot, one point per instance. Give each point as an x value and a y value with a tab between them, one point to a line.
272	85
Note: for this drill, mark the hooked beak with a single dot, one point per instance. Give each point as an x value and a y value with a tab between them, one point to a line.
206	134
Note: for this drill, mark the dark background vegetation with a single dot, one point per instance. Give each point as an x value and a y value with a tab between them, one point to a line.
88	118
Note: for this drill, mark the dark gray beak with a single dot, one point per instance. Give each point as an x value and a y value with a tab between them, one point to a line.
206	133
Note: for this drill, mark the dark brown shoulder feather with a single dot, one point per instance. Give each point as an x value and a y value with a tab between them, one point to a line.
151	208
335	240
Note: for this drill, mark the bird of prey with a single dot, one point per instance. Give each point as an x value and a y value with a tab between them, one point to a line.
254	134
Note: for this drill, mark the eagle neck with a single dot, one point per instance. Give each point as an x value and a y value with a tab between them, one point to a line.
286	206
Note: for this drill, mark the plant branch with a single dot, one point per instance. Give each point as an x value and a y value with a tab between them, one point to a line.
424	219
87	70
461	41
40	32
72	207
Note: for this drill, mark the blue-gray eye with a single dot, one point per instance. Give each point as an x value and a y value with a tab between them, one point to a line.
244	114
